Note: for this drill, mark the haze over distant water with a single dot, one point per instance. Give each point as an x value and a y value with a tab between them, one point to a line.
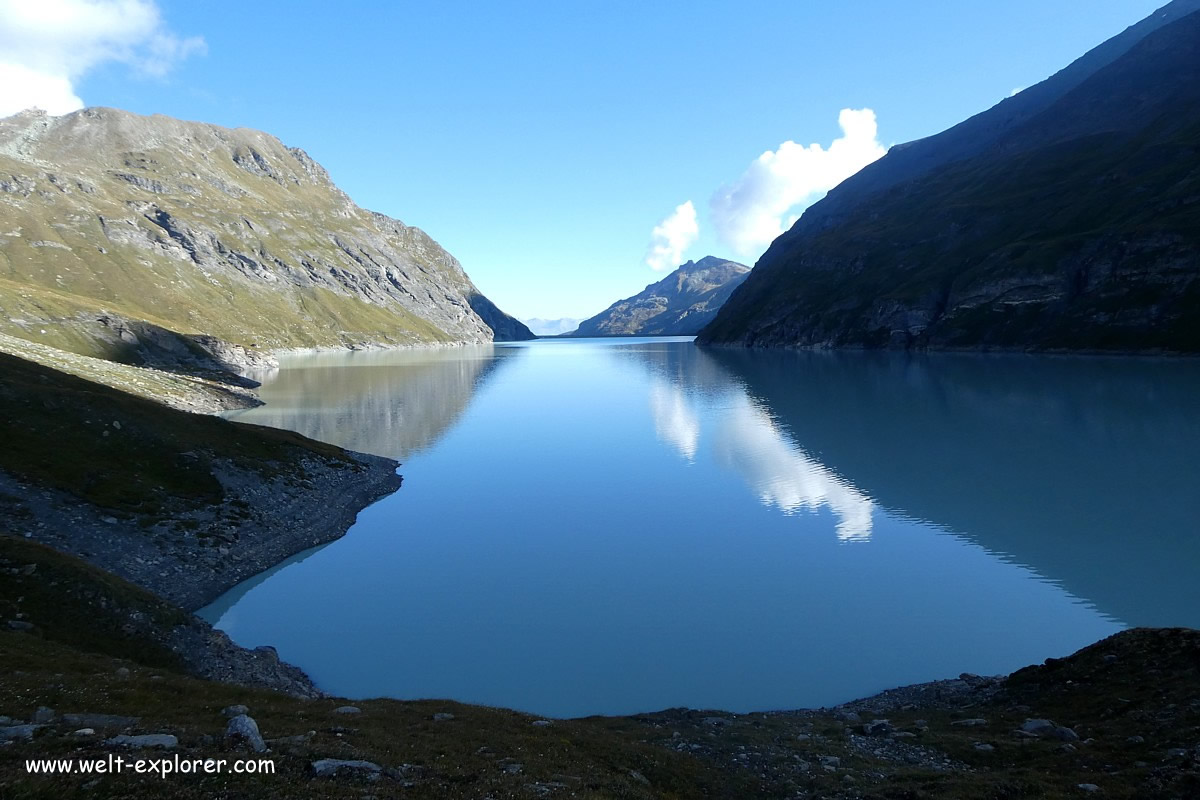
610	526
551	327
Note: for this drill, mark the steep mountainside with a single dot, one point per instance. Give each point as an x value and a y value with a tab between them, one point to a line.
679	305
975	135
119	232
1076	229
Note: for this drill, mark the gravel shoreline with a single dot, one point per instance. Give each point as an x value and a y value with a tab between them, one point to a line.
192	558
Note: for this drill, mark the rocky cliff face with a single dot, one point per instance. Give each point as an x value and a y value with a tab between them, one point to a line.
123	236
679	305
1074	225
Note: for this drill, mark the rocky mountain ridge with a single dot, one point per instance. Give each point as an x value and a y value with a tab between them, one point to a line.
1074	229
679	305
135	237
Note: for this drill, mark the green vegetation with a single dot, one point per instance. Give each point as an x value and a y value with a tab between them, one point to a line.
205	230
80	606
56	288
175	389
128	453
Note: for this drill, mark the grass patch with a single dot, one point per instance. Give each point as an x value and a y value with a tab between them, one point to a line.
128	453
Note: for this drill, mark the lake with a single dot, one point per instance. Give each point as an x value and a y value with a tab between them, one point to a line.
623	525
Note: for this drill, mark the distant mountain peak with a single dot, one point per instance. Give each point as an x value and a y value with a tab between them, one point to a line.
706	262
678	305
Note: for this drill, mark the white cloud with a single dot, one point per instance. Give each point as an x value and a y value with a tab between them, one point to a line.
46	46
672	237
753	210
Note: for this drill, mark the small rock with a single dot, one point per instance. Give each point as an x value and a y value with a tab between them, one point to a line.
847	716
347	710
328	767
1066	748
163	740
542	723
830	761
20	625
244	728
43	715
903	735
122	672
85	732
969	723
109	520
233	711
1136	740
1064	734
639	777
848	779
13	732
513	768
1088	787
1038	727
984	747
443	716
877	727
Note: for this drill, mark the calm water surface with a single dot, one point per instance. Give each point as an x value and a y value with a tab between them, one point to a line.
613	526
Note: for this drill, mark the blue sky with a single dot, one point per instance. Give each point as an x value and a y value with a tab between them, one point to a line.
542	142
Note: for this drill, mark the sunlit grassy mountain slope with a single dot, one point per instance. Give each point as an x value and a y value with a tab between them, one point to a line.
119	231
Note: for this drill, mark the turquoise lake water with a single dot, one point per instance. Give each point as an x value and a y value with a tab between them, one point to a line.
624	525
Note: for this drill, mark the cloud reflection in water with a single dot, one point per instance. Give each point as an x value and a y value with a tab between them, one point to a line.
747	441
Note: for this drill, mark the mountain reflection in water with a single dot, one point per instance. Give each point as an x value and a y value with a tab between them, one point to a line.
611	526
